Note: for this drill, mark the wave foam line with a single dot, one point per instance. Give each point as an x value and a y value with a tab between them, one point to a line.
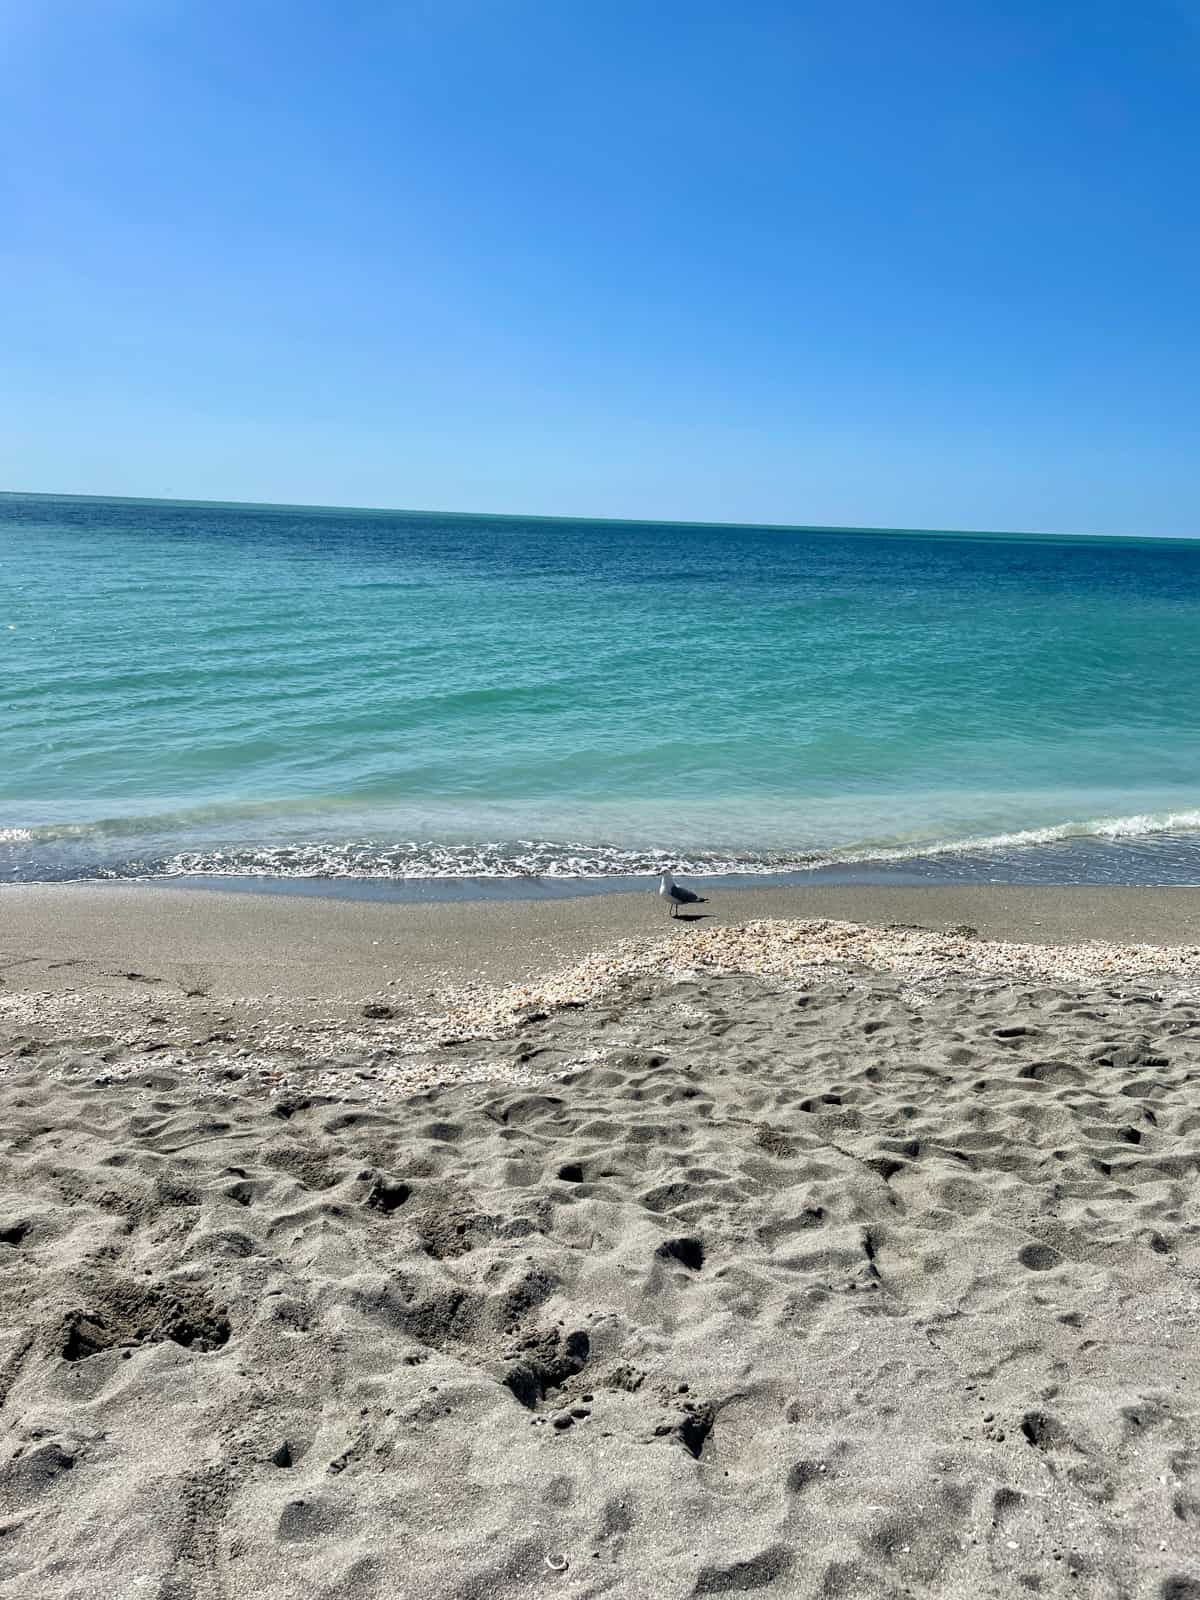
1142	826
530	859
525	858
413	861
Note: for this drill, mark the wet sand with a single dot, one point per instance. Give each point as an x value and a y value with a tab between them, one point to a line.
743	1256
234	944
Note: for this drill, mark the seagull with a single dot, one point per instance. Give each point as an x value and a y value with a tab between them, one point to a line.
675	896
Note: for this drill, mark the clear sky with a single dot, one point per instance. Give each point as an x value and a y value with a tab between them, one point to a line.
908	264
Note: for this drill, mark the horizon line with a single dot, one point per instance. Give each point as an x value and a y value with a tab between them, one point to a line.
656	522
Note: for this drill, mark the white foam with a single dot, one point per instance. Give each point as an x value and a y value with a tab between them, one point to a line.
409	860
412	860
1141	826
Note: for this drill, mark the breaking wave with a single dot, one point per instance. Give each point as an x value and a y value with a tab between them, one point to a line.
75	853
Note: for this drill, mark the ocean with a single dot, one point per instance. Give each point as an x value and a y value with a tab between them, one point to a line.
419	703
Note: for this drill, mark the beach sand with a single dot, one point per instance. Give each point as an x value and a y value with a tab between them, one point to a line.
547	1249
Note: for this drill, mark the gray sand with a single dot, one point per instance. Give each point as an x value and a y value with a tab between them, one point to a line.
850	1285
73	935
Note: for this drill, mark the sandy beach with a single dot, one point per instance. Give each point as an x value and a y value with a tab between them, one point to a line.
600	802
837	1243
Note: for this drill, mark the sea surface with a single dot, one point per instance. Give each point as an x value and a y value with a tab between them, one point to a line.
412	699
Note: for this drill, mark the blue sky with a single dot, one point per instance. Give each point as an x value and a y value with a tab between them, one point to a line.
897	264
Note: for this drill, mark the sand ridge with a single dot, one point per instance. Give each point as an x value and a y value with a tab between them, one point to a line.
404	1039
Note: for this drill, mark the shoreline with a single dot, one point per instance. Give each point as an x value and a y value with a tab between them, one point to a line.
58	938
1144	849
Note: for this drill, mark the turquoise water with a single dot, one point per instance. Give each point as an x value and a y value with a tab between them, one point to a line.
245	690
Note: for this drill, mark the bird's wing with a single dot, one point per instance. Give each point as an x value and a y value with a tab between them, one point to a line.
684	896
